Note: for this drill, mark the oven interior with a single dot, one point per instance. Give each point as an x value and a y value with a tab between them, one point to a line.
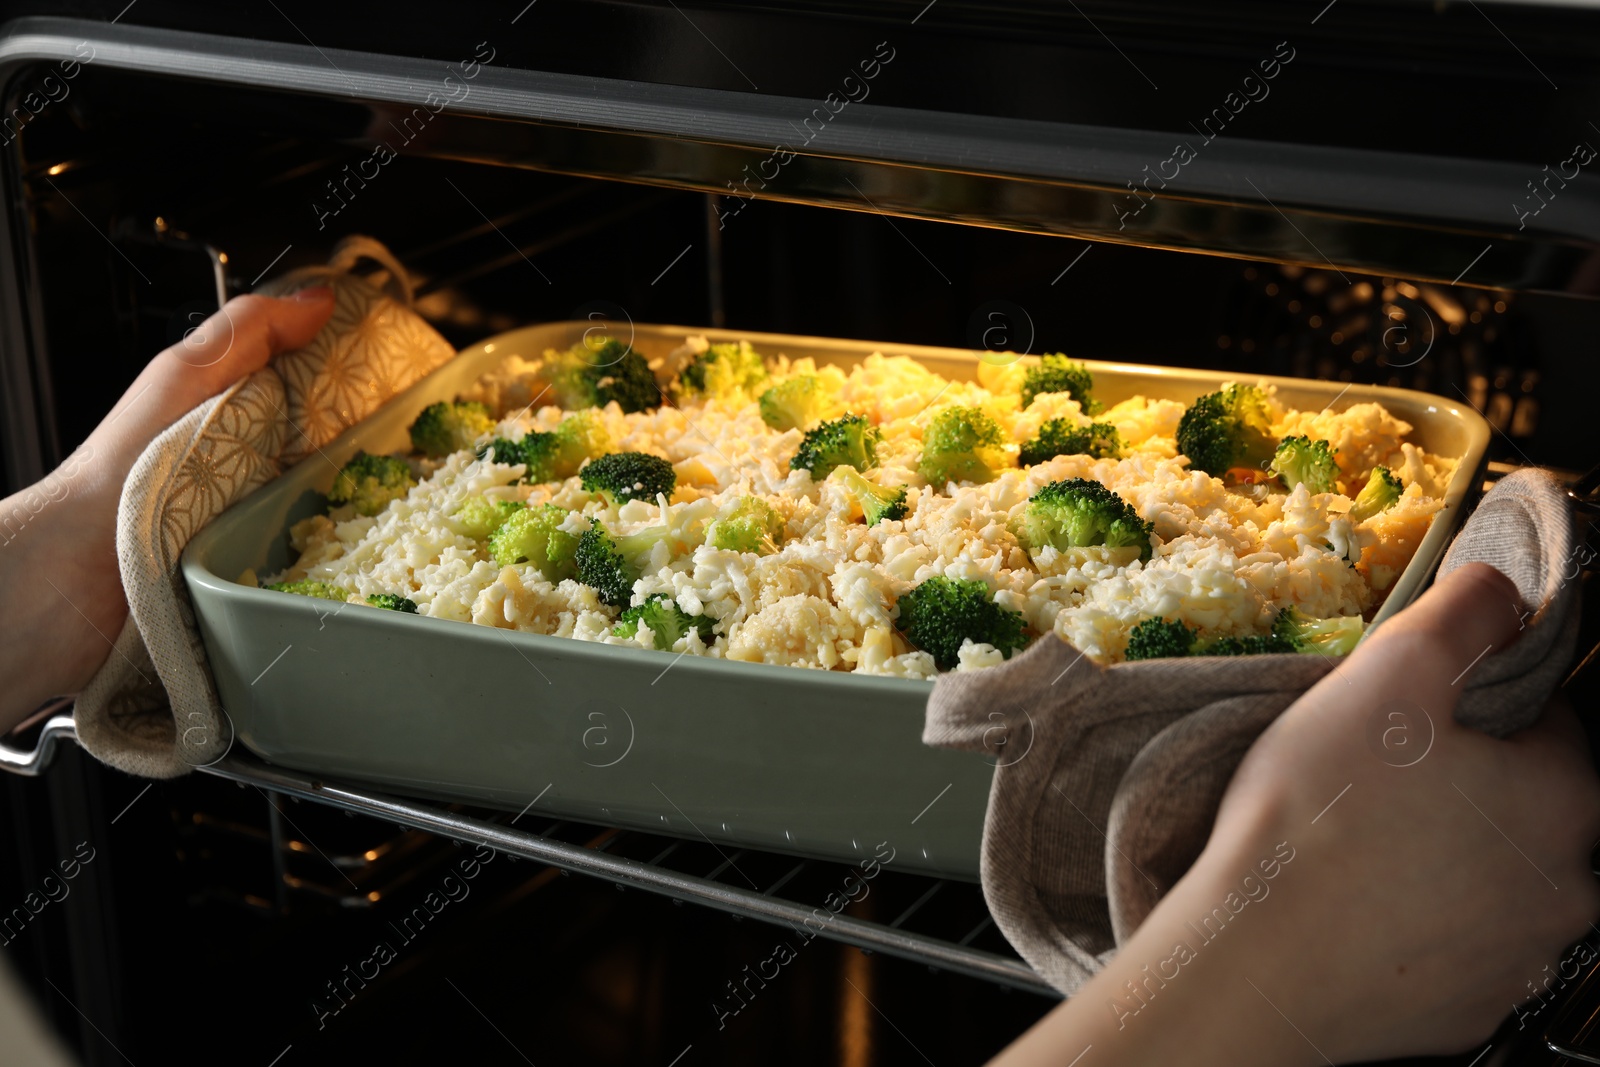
130	217
145	201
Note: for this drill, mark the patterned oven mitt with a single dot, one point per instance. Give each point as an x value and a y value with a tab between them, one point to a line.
152	709
1122	769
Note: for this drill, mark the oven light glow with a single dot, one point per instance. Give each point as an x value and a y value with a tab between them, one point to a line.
57	169
222	257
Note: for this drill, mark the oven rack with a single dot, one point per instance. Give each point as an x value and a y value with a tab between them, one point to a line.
600	859
600	852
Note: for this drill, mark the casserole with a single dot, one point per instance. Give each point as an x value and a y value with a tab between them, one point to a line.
811	763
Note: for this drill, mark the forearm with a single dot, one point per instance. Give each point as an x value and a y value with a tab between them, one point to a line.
45	631
61	598
1198	983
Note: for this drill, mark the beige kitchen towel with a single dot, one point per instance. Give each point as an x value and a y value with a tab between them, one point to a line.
1107	779
152	709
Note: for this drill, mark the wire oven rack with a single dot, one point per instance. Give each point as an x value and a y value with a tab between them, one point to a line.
939	922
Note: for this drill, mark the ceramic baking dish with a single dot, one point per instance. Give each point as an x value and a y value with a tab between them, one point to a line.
811	763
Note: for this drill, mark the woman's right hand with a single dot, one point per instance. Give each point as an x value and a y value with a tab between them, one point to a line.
1428	900
1424	899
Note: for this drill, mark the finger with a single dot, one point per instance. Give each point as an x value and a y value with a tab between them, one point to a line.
231	344
240	338
1426	653
1475	606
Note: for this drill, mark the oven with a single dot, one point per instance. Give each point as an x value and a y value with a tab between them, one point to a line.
1350	191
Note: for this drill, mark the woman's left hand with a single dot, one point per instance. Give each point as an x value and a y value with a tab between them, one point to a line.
61	598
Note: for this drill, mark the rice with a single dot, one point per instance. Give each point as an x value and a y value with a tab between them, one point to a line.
1224	562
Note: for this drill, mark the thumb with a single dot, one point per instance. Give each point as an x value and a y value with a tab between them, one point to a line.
239	339
235	342
1429	650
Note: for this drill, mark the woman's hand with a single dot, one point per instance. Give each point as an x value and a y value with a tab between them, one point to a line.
1424	894
61	598
1433	893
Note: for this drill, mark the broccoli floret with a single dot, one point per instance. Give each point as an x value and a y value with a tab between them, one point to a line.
1056	373
961	444
849	440
1379	494
625	476
797	403
1248	645
1063	437
1226	429
591	376
1168	638
878	502
1331	637
478	516
752	526
1157	638
610	565
722	370
1302	461
942	612
370	482
1080	513
504	450
311	588
393	602
558	454
579	437
1291	632
450	426
668	622
533	452
533	535
602	566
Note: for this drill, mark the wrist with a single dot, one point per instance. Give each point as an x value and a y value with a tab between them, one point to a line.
60	587
1210	977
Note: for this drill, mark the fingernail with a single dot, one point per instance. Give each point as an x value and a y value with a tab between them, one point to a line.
315	294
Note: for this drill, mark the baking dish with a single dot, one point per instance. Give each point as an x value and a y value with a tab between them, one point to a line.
811	763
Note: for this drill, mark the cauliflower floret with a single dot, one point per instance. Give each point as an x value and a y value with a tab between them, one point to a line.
1363	435
798	631
1413	466
974	656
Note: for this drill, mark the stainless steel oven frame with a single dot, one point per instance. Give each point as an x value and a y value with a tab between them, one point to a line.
1411	215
